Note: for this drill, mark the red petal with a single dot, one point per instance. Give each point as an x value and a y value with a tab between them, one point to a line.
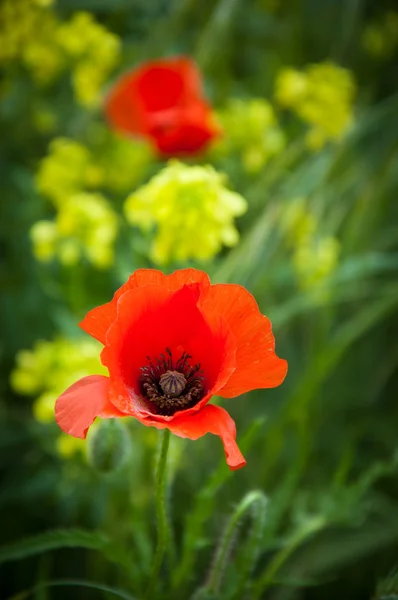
216	420
77	408
168	83
98	320
257	365
151	319
186	132
123	108
185	277
154	87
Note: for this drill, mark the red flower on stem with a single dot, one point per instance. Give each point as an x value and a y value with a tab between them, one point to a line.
170	343
163	101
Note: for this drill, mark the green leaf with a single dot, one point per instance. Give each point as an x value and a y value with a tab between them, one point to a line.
68	538
75	583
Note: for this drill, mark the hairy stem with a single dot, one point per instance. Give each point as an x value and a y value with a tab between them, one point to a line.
161	515
254	503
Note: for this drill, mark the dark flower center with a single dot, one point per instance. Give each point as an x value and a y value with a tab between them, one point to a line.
172	385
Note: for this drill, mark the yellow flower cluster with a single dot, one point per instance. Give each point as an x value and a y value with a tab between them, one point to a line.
27	33
95	52
114	162
69	176
380	39
85	227
191	210
251	129
322	95
67	169
30	33
122	161
47	370
315	257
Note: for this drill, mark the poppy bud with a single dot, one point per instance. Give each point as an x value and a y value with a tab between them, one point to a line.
109	446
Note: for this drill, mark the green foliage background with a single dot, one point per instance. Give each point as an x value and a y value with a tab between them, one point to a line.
322	448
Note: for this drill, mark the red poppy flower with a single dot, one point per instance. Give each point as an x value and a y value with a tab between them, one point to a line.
170	343
163	101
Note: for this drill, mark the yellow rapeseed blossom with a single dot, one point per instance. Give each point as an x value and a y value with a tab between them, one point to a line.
66	170
315	259
122	161
31	34
291	87
47	370
43	408
112	162
297	222
27	34
94	52
322	95
41	55
315	256
190	209
51	366
380	38
85	227
251	129
44	236
18	21
68	446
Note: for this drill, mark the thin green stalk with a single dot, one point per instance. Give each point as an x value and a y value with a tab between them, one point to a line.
202	510
320	367
256	503
161	514
215	32
269	574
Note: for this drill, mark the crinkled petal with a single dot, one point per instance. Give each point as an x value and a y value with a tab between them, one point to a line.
210	419
190	131
98	320
257	365
77	408
215	420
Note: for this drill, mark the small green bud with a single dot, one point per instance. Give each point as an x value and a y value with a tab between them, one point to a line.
109	446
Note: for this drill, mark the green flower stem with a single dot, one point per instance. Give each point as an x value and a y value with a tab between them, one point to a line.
161	515
254	502
267	578
203	509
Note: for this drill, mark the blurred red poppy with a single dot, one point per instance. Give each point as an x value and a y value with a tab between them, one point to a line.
163	101
170	343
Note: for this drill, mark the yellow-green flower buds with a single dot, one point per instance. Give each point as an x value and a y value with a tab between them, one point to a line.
190	210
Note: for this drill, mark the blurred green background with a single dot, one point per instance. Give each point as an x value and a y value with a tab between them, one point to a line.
306	93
